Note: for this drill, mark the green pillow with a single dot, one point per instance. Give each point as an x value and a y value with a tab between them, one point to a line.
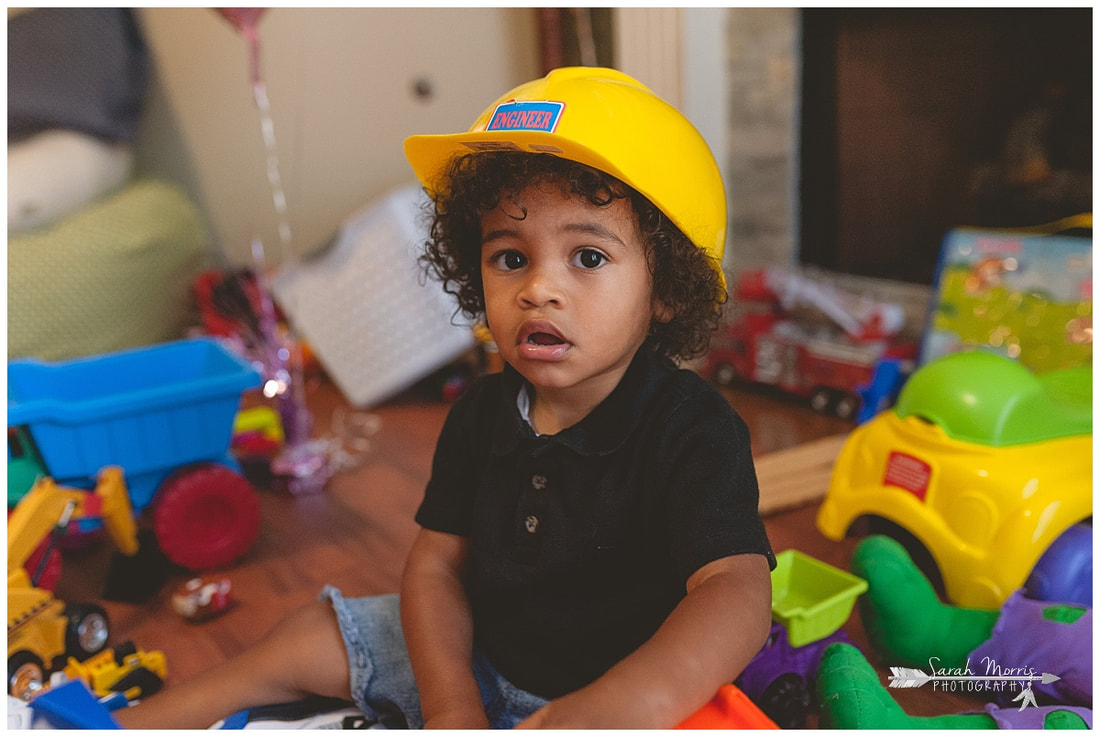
115	274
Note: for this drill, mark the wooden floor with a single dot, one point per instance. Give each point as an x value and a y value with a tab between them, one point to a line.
356	532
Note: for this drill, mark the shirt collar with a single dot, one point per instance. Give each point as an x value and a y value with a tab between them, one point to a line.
605	428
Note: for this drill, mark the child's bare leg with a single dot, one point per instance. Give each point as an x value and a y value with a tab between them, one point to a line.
303	655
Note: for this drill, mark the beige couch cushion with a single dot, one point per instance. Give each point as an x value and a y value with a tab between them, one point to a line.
116	274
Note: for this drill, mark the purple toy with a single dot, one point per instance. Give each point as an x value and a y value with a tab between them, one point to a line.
1041	637
1064	572
780	678
1033	718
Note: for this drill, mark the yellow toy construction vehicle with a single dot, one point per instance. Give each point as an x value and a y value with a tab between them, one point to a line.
134	673
43	630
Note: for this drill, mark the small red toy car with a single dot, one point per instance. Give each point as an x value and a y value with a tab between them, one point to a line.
199	598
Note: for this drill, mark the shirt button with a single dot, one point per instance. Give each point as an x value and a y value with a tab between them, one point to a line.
538	481
531	522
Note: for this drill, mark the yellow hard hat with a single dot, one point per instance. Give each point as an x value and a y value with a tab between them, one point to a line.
609	121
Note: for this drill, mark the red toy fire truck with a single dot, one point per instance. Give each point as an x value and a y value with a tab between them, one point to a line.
811	340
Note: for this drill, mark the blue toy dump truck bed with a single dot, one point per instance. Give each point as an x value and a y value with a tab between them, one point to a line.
148	410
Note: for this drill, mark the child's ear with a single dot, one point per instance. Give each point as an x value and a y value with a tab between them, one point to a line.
661	312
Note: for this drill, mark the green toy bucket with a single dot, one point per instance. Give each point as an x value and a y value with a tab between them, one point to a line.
810	598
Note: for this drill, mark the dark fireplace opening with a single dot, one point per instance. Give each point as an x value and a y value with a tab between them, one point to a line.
915	121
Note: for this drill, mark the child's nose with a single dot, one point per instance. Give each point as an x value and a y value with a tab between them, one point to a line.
540	288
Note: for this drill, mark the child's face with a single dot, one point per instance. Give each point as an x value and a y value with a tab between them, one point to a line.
568	291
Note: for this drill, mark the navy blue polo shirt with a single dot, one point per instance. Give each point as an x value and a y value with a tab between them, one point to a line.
580	543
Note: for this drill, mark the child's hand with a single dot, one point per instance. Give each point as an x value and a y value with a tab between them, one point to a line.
678	669
590	708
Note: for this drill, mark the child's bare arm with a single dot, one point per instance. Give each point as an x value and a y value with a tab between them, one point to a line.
707	641
435	616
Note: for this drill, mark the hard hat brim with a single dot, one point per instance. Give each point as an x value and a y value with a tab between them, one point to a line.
429	155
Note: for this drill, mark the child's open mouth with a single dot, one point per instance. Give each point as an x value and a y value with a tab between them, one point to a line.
544	339
543	343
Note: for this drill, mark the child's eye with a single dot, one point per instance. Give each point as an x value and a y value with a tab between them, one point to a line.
589	258
509	260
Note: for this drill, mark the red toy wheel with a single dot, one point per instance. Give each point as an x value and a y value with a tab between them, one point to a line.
206	516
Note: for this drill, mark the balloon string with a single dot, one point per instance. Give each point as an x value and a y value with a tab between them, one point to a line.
252	36
294	405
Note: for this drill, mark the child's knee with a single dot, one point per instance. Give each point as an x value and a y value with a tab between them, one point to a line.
313	623
312	646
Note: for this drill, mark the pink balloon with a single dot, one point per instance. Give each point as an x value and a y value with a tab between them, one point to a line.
243	19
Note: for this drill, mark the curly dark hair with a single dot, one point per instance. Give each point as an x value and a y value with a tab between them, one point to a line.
685	279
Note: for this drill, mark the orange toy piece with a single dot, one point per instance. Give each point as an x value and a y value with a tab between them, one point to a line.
729	709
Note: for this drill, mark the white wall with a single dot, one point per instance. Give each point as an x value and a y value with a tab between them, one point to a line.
339	83
705	93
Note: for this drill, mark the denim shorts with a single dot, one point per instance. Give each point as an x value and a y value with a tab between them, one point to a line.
382	683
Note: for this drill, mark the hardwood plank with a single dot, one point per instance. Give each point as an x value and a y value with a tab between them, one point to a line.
795	476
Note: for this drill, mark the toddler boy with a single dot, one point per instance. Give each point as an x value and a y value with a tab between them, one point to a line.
591	554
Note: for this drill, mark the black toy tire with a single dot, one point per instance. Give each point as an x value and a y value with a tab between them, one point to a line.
26	675
724	374
87	630
787	701
846	406
821	400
